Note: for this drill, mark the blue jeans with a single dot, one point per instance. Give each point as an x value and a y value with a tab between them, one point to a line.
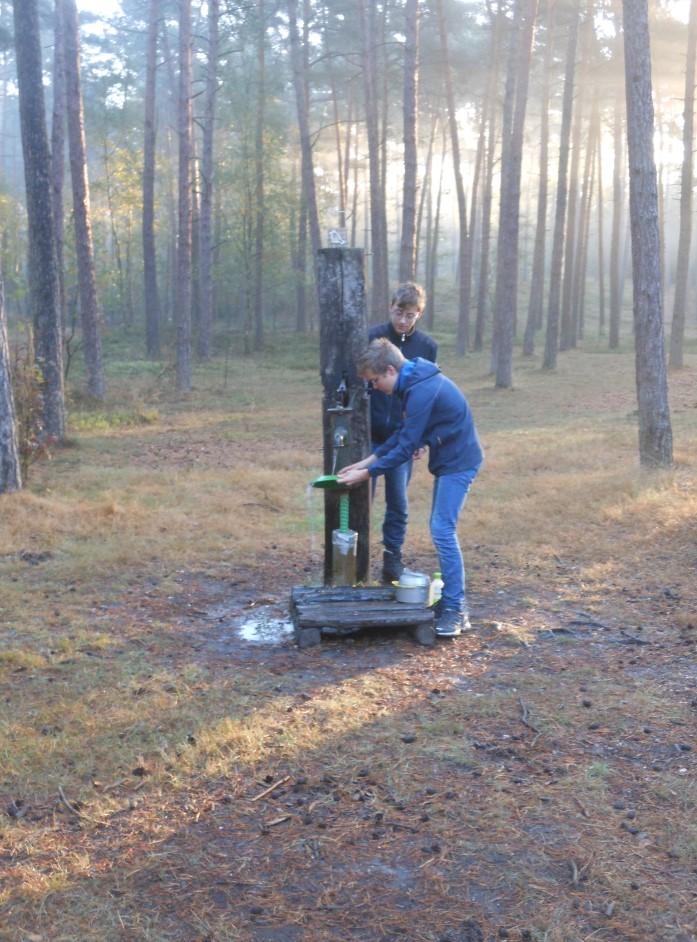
449	495
394	525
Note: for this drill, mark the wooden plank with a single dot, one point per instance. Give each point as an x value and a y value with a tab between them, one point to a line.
337	609
341	593
318	617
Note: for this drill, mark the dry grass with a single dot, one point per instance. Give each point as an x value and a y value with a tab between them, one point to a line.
475	781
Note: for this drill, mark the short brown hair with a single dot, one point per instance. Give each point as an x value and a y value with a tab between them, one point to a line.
408	293
377	356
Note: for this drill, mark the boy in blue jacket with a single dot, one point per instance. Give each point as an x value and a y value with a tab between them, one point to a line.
406	308
434	413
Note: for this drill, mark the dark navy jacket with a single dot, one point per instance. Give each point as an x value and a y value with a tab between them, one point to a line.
385	412
434	413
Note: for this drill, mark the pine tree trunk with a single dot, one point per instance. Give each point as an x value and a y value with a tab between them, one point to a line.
301	97
150	292
195	222
407	254
566	338
432	261
379	294
44	290
509	217
10	467
259	182
84	248
488	188
580	268
465	248
184	222
301	268
537	279
615	249
677	333
552	334
601	239
58	147
424	189
655	432
205	324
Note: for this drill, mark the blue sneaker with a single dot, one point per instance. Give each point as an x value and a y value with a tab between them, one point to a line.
450	623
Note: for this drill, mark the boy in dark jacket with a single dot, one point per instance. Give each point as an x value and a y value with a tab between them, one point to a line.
434	414
407	306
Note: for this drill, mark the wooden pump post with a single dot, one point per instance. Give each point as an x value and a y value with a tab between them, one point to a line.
343	336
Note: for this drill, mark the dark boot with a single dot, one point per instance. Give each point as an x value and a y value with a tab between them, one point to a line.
392	566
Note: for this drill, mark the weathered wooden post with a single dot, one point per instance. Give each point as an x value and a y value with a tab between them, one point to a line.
345	407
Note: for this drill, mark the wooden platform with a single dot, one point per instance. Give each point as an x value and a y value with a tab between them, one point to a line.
318	612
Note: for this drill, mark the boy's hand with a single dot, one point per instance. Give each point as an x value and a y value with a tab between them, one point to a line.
352	475
420	452
352	467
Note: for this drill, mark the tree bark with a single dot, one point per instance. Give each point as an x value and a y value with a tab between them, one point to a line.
580	268
601	238
379	293
151	295
509	216
44	290
465	247
552	334
301	267
184	225
84	247
537	278
432	259
488	188
205	325
655	432
259	182
424	189
677	333
566	338
301	97
407	254
10	466
615	249
58	147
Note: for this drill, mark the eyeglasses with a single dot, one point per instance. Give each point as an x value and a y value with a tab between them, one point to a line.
403	316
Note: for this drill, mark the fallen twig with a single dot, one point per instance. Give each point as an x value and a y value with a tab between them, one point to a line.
581	808
271	788
631	639
574	872
524	718
68	805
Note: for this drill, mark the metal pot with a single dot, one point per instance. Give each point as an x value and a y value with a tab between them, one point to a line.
412	588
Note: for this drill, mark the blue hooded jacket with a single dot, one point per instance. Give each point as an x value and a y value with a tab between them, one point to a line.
385	411
434	413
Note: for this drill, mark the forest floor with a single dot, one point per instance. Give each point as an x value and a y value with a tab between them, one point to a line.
174	768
